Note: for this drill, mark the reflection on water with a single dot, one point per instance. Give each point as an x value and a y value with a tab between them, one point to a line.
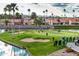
9	50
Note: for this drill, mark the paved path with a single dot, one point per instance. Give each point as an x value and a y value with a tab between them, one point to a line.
62	52
73	46
26	26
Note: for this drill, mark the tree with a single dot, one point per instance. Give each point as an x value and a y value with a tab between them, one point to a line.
67	39
64	43
46	12
6	23
73	12
74	39
14	7
44	16
29	12
60	42
55	43
33	15
46	34
52	14
38	21
9	8
5	10
18	16
53	38
70	38
64	11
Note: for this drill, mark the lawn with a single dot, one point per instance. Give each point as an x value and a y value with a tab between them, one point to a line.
37	48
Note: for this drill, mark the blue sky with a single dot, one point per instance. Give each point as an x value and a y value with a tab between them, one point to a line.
55	8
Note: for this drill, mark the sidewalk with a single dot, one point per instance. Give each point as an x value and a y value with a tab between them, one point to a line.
62	52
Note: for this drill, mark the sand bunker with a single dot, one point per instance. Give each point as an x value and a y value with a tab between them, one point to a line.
34	40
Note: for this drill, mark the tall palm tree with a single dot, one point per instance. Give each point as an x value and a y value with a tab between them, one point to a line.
29	12
5	10
44	15
46	12
14	7
73	12
64	11
52	14
9	9
6	23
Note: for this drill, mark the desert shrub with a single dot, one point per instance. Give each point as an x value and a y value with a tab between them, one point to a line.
55	43
78	54
69	50
60	42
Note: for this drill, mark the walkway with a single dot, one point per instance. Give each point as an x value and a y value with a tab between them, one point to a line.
62	52
73	46
26	27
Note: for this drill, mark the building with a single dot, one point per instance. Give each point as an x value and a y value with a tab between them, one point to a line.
63	21
18	21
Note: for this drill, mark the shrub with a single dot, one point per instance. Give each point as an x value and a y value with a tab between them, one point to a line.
78	54
60	42
69	50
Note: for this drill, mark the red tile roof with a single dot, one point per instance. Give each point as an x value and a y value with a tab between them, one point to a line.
63	19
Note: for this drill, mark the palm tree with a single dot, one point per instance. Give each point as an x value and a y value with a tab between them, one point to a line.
14	7
5	10
73	12
6	23
52	14
29	12
64	11
33	15
46	13
9	9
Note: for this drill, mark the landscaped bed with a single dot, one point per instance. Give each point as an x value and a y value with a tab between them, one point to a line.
37	48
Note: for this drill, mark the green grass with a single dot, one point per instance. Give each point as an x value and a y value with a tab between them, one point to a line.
37	48
66	27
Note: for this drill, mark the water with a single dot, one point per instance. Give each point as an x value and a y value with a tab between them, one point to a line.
18	51
9	50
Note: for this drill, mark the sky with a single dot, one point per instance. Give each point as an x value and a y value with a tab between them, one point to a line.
55	8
